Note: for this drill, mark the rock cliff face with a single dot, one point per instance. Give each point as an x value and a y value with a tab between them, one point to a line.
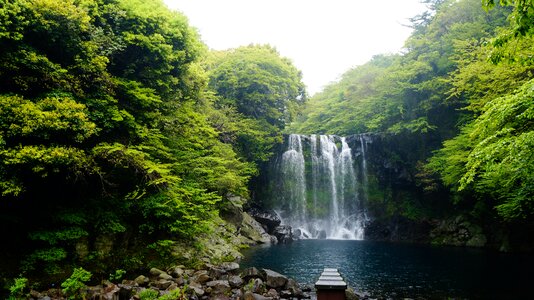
401	200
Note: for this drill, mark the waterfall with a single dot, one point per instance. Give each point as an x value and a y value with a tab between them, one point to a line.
319	189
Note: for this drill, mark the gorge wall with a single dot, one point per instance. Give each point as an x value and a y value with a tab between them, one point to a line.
368	186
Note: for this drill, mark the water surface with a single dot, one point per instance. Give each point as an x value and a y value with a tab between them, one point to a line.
403	270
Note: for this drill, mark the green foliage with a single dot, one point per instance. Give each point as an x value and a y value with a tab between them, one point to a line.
257	93
18	289
117	275
148	294
74	285
446	89
106	131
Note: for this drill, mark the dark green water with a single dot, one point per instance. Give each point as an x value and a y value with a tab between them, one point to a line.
389	270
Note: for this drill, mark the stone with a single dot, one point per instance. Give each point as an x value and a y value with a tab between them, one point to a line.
230	267
179	281
219	286
172	287
285	294
165	276
156	272
257	286
272	293
220	297
237	294
197	289
268	218
177	272
35	294
201	276
141	280
293	287
252	230
163	284
110	292
251	273
283	233
126	291
274	279
235	281
248	296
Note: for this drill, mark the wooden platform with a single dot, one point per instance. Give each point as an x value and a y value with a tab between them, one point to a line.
330	285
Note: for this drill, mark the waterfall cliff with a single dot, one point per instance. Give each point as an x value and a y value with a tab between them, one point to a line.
319	186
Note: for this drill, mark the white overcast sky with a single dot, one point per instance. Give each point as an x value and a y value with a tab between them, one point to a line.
323	38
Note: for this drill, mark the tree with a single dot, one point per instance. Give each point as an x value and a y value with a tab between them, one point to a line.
256	94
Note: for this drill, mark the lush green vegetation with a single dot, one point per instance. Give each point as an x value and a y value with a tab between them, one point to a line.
464	89
112	145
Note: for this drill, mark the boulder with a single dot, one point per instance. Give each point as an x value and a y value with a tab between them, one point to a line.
230	267
177	272
268	218
235	281
253	230
219	287
201	276
163	284
165	276
251	273
274	279
156	272
255	285
272	293
293	287
141	280
196	289
126	291
283	233
254	296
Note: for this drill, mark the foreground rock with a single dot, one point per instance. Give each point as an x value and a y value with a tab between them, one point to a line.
214	282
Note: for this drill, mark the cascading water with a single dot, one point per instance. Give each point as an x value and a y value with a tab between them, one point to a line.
321	196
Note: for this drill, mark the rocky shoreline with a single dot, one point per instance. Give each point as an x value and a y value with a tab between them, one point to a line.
221	282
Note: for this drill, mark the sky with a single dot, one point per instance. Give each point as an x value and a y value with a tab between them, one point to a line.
323	38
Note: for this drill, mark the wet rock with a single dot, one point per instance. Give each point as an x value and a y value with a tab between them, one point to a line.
285	294
283	233
272	293
268	218
293	287
274	279
253	230
350	294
